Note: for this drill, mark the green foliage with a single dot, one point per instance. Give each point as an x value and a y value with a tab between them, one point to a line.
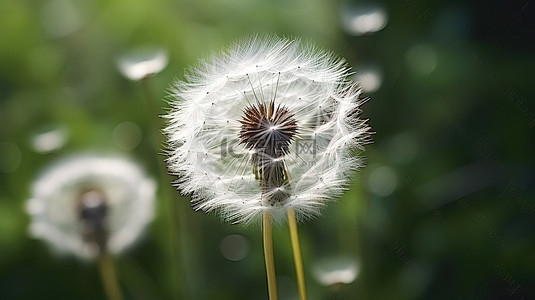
450	217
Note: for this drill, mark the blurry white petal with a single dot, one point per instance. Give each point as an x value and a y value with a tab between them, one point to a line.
336	270
360	19
142	63
370	78
49	141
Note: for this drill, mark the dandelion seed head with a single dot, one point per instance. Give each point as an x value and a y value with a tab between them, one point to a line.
86	204
267	125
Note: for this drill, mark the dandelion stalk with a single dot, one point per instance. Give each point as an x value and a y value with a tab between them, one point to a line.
297	254
109	278
267	228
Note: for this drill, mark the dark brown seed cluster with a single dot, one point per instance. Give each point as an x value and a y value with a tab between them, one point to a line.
268	130
92	210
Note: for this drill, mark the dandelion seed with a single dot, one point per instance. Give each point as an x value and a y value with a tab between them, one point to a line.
141	63
87	205
336	270
269	125
362	19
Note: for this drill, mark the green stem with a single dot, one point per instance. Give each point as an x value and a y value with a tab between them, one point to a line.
109	278
297	255
267	229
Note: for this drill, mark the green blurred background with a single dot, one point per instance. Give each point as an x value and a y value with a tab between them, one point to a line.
444	210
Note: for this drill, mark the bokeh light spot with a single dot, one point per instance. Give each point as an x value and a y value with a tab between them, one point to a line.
127	135
142	62
60	18
363	19
421	59
370	78
336	270
382	181
49	141
234	247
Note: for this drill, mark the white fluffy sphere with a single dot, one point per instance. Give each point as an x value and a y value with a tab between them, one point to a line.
259	94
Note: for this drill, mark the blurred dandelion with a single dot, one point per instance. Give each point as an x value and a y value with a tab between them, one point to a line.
92	206
362	19
370	78
49	141
268	128
333	271
142	62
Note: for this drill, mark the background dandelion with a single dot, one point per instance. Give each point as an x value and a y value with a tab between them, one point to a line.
92	206
453	111
89	204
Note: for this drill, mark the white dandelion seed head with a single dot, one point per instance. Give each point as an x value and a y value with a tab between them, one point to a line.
270	124
87	186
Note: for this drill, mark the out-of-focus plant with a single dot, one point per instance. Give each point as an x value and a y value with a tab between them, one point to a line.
92	207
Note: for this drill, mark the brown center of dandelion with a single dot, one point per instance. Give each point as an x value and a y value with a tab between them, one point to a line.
268	130
92	205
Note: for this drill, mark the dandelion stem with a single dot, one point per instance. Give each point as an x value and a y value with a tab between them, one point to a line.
109	278
267	227
297	255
